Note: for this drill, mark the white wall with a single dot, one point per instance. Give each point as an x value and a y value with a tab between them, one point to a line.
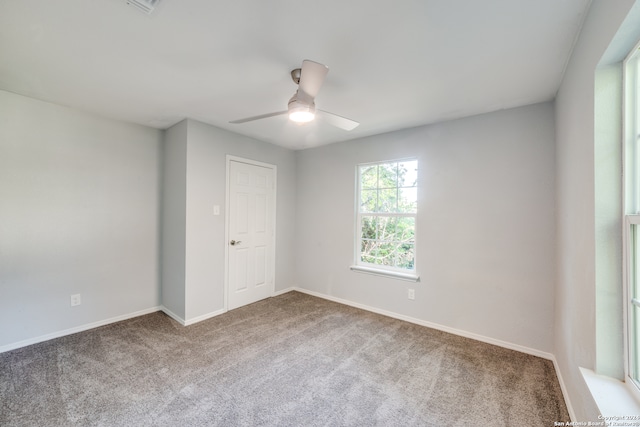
575	328
204	245
79	213
486	230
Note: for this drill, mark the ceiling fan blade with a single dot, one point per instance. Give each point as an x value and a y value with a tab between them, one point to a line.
338	121
311	77
262	116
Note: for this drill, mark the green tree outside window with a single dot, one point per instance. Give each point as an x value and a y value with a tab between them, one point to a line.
387	214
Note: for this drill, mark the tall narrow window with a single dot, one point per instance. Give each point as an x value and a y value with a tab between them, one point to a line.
632	211
386	216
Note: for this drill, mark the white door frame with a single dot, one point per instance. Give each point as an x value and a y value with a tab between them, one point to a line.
231	158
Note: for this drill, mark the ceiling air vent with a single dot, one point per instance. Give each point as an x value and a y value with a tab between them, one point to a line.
146	6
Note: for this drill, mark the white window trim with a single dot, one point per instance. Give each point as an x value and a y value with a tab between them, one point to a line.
613	397
629	222
385	271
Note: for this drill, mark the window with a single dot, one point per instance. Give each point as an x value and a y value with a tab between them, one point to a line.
631	234
386	218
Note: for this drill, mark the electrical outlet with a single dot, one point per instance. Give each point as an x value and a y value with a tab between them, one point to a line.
411	294
75	300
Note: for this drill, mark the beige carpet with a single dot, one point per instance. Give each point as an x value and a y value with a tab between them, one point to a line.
293	360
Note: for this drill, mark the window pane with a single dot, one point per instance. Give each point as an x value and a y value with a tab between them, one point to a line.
386	254
405	256
369	227
634	343
388	175
387	200
408	174
635	255
368	251
368	176
405	230
408	200
386	228
368	200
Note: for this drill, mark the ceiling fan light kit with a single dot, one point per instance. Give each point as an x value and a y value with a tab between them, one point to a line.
302	108
300	112
301	116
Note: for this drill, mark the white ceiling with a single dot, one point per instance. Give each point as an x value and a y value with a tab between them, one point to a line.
393	64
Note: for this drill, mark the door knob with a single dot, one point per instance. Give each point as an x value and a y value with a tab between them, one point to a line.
234	242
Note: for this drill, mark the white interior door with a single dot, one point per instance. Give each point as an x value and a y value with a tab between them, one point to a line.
250	231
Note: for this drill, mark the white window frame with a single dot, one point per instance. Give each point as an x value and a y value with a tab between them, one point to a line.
380	270
631	212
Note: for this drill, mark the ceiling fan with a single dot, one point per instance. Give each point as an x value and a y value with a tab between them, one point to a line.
302	108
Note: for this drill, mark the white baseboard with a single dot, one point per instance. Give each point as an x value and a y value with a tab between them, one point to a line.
283	291
174	316
409	319
205	317
432	325
500	343
188	322
92	325
76	329
565	392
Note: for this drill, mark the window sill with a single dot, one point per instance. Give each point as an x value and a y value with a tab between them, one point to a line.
385	273
613	397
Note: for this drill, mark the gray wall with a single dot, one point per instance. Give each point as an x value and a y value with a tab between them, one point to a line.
202	283
503	214
486	253
79	213
608	221
577	227
174	218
